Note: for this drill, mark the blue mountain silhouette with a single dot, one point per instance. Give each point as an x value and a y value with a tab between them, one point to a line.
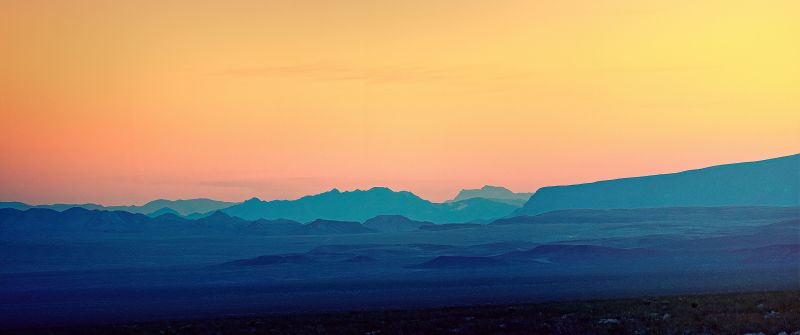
180	207
360	205
494	193
772	182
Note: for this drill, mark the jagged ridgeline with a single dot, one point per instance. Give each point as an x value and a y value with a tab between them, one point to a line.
772	182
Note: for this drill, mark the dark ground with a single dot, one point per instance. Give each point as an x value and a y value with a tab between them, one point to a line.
731	313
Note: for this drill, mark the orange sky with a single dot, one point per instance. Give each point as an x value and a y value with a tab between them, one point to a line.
120	102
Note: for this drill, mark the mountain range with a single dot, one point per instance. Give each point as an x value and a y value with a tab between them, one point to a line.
357	205
45	223
49	223
360	205
153	208
380	248
771	182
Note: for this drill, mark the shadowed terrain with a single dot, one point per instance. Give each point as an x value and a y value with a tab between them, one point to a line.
358	251
82	267
731	313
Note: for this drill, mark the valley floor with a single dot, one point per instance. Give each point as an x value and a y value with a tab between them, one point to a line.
728	313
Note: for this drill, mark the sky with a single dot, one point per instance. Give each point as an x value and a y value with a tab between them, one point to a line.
121	102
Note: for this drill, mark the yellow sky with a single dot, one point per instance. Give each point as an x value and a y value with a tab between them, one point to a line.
124	101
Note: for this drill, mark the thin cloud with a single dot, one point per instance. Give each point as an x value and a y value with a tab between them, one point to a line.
374	75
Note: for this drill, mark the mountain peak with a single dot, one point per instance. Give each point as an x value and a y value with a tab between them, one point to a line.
163	211
496	193
380	189
155	202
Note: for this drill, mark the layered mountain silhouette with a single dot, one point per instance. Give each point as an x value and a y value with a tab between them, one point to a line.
14	205
494	193
772	182
360	205
655	215
42	222
163	211
152	208
323	227
56	207
182	207
394	223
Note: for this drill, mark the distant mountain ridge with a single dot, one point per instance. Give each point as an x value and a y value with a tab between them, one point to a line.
494	193
181	207
771	182
394	223
655	215
357	205
360	205
162	211
45	223
55	207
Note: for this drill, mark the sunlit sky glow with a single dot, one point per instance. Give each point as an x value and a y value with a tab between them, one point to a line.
119	102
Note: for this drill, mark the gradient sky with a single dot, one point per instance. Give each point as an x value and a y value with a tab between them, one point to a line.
119	102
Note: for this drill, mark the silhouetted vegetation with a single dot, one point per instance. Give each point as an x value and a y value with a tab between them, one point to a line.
734	313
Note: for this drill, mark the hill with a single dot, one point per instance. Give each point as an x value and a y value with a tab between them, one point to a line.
772	182
494	193
394	223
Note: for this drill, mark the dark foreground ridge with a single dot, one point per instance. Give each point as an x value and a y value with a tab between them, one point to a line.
729	313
